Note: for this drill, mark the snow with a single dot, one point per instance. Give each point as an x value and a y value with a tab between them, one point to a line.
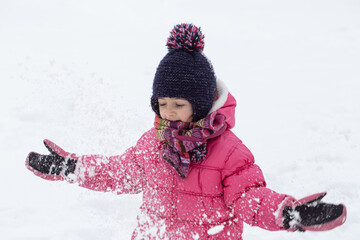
216	229
80	74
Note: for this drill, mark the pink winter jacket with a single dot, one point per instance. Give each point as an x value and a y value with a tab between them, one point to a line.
212	202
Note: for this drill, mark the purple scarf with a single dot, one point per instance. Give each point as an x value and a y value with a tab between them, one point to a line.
185	142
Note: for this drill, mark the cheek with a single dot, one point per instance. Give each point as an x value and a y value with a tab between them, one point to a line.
188	115
161	113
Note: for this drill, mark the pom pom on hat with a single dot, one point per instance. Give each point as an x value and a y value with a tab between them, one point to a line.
186	37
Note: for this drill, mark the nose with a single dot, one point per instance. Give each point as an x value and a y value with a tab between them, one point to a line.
169	114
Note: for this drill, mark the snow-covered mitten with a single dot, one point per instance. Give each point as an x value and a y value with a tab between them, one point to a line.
311	214
55	166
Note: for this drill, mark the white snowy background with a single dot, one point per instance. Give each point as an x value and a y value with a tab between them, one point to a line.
80	73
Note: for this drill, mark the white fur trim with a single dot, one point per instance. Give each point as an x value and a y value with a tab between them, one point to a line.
222	95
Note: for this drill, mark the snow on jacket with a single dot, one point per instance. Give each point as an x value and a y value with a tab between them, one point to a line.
212	202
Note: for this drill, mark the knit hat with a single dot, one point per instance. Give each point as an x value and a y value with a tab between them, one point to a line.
185	72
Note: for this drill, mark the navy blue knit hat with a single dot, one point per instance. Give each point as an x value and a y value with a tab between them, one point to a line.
185	72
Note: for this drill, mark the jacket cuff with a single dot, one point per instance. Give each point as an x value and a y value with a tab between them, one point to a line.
288	201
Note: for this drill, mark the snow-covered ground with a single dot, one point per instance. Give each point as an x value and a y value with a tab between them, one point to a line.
80	73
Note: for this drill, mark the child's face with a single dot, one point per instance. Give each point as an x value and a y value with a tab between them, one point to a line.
175	109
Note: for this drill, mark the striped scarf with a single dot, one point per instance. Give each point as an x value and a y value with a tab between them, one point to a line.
186	142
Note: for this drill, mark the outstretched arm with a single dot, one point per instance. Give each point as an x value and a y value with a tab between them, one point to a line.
120	174
245	191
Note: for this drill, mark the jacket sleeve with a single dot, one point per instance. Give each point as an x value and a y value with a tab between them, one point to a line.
245	191
119	174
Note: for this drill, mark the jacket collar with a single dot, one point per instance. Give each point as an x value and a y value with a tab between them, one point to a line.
225	103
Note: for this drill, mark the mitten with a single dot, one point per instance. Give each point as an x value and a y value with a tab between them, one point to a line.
55	166
311	214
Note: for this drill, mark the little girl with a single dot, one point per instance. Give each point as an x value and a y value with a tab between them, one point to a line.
198	180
